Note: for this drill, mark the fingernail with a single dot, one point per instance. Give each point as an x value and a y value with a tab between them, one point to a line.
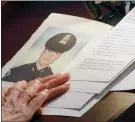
22	82
66	74
57	74
37	83
44	93
66	85
39	78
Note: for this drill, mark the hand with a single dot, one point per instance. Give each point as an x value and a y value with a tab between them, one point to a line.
21	101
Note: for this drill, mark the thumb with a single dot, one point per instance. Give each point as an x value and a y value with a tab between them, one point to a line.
37	102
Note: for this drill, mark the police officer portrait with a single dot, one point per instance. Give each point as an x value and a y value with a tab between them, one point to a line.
49	54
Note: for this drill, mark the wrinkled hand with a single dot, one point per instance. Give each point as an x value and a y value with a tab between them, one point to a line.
21	101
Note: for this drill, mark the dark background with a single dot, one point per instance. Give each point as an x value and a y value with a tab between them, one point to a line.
17	15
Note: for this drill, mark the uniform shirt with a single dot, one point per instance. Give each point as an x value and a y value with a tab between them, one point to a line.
26	72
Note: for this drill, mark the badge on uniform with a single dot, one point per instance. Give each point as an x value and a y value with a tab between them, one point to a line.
65	39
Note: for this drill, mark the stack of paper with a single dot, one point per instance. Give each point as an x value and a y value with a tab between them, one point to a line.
96	69
91	89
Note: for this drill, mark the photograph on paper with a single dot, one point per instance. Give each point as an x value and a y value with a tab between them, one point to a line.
49	54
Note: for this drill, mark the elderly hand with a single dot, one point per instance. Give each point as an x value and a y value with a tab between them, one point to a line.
21	101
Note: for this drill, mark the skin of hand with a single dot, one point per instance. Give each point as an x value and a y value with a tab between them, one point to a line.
22	100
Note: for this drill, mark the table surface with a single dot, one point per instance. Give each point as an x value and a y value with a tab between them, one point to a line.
21	19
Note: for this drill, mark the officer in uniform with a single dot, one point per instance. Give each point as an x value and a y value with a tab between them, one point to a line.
54	47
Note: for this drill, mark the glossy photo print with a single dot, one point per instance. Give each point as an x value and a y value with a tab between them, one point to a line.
48	55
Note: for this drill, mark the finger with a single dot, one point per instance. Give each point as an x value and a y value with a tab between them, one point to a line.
58	91
33	88
20	85
3	100
14	91
33	81
30	92
56	82
48	78
36	102
4	92
44	80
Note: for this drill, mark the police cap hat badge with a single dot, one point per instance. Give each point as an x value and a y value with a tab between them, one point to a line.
61	42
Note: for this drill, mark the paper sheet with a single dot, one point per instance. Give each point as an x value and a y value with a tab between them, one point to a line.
87	87
83	110
90	103
77	26
70	100
128	83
